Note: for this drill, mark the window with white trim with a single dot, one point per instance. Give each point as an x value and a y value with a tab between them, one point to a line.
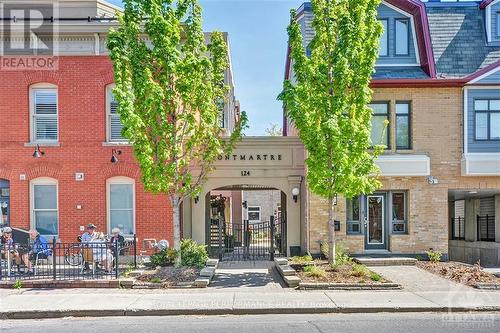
114	124
44	206
121	204
253	213
402	37
44	113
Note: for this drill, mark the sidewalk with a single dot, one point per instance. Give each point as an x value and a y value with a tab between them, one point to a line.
35	304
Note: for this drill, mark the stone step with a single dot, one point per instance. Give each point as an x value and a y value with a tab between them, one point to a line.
391	261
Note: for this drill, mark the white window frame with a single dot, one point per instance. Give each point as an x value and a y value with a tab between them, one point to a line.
260	213
119	180
33	89
43	181
109	95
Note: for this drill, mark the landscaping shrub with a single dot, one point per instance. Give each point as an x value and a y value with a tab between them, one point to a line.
193	254
163	258
434	256
341	255
314	271
300	260
359	270
155	280
375	277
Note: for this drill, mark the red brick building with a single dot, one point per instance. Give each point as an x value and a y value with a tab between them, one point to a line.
69	113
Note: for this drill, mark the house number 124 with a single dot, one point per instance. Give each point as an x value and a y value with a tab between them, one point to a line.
245	173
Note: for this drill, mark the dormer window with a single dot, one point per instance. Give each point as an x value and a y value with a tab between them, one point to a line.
384	39
402	36
498	23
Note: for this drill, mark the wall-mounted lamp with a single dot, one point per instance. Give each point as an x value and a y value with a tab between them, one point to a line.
432	180
196	199
38	153
295	193
244	204
114	157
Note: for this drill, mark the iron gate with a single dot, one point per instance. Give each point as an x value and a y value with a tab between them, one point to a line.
249	240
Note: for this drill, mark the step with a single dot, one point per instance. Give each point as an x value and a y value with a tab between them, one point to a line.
391	261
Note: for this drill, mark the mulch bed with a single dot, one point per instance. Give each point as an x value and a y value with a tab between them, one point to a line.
170	276
341	274
469	275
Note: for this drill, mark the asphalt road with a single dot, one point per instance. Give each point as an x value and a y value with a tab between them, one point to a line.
381	322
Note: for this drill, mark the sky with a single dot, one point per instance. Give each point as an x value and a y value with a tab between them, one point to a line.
258	41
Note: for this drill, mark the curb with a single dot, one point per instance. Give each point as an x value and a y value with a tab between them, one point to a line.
230	311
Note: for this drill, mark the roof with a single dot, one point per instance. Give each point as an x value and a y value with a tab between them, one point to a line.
398	72
459	40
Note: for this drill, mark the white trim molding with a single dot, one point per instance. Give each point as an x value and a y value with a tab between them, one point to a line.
404	165
47	181
481	164
485	75
120	180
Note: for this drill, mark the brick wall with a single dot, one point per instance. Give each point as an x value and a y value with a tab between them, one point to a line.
81	85
437	131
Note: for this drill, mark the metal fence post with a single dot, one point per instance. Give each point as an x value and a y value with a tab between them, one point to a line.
135	250
54	259
116	257
271	221
221	240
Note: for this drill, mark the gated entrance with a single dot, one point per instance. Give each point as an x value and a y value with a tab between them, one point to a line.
248	240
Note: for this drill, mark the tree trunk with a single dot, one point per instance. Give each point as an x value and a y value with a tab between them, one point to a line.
177	227
331	232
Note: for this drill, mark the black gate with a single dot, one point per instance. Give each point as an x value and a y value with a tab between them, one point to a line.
248	240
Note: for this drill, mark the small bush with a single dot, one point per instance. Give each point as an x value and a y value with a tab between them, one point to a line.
434	256
165	257
17	285
155	280
341	255
359	270
300	260
193	254
375	277
314	271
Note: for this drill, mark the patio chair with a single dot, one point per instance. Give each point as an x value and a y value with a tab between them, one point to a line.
38	259
88	258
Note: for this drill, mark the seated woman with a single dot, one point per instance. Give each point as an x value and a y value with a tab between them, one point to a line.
101	253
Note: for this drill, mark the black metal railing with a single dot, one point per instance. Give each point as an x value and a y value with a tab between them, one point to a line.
458	228
97	260
486	228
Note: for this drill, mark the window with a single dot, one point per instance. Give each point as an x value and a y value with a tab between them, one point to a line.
379	134
403	127
44	109
402	34
487	119
121	204
44	206
353	214
114	131
498	24
4	202
253	214
399	217
384	39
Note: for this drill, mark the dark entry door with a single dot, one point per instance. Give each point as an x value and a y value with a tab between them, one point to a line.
375	226
261	240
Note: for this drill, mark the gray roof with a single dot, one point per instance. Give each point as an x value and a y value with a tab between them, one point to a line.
459	40
399	72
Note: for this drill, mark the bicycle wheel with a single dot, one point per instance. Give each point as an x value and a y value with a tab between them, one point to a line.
73	255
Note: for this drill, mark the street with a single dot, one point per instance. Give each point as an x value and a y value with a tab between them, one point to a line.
381	322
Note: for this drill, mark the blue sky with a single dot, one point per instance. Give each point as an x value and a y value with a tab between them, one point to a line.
258	40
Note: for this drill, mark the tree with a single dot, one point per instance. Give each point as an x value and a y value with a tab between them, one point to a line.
328	99
171	93
273	130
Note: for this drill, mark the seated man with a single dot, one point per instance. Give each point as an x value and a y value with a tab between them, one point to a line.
39	248
7	246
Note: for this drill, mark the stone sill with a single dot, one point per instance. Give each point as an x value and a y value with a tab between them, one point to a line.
115	144
42	144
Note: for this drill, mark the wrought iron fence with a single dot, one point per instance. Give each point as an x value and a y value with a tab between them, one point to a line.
66	261
486	228
458	228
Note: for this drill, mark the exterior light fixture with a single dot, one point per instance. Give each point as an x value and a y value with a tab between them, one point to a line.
245	204
295	193
432	180
114	157
196	199
38	153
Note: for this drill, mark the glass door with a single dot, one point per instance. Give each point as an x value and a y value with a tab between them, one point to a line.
375	235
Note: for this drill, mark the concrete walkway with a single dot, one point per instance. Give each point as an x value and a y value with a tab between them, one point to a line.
247	274
36	304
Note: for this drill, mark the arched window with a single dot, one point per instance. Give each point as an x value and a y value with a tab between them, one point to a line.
44	206
44	123
113	123
121	204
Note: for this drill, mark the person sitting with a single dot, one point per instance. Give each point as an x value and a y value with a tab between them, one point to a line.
90	234
8	249
116	237
39	249
101	253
